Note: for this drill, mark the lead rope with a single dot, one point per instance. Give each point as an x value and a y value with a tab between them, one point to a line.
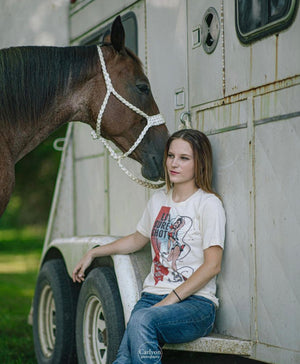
151	121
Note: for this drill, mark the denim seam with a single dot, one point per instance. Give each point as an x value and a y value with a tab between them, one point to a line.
186	321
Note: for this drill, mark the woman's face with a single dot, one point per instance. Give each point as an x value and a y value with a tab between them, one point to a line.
180	162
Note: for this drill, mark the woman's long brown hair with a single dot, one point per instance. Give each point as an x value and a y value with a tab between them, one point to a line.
203	158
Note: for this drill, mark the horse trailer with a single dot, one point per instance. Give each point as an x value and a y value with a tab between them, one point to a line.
232	70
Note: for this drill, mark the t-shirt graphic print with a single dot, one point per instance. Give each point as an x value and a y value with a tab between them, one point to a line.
169	245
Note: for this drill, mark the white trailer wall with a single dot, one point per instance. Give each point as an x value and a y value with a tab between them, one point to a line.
34	22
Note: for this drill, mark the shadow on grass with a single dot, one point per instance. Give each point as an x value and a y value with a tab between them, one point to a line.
185	357
23	240
16	343
20	253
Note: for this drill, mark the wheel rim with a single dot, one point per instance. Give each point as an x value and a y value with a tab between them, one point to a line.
47	321
94	332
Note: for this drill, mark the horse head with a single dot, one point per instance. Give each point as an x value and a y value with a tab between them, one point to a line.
120	123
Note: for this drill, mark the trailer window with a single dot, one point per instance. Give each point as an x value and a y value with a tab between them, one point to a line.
256	19
130	26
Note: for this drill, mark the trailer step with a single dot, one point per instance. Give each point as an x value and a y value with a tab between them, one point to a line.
216	343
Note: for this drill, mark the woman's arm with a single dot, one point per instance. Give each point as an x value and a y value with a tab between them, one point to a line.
210	268
125	245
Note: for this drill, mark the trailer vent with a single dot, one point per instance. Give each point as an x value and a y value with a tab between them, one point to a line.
210	30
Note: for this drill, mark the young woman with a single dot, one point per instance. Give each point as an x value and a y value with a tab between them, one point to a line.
186	226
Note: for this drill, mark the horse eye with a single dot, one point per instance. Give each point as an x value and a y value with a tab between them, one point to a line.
144	88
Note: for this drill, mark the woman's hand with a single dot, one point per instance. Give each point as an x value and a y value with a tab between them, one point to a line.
170	299
210	268
83	264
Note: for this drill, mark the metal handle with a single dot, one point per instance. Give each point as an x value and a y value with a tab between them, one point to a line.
185	119
56	143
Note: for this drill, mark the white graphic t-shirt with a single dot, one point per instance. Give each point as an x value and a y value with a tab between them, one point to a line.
179	232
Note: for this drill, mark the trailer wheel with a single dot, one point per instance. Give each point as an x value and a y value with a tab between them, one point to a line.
99	320
54	310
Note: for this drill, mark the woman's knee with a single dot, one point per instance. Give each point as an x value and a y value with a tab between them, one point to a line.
141	319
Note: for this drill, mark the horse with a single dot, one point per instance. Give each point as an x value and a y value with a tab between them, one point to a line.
42	88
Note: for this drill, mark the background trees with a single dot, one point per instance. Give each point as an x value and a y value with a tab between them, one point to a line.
35	182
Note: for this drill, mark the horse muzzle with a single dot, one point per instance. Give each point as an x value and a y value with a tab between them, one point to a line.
152	167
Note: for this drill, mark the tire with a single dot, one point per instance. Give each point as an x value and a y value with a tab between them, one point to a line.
54	310
99	320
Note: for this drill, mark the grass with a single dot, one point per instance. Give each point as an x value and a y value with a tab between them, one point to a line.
20	252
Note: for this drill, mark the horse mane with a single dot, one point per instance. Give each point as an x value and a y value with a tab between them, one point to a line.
32	78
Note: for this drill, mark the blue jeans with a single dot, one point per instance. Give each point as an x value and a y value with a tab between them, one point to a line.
151	327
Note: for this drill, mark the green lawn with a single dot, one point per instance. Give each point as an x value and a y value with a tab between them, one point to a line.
20	253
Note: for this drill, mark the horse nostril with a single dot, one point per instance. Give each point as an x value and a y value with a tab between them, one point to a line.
159	167
154	161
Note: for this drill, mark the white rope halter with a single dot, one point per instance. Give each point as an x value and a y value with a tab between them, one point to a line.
151	121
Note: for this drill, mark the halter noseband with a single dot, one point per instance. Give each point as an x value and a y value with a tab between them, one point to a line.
151	121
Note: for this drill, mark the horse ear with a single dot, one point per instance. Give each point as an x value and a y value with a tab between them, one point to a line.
117	35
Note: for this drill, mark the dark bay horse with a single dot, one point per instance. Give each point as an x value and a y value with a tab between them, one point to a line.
41	88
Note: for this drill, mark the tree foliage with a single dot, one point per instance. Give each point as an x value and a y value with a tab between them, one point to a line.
35	181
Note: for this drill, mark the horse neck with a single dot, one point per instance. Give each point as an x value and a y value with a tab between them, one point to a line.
22	133
32	134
